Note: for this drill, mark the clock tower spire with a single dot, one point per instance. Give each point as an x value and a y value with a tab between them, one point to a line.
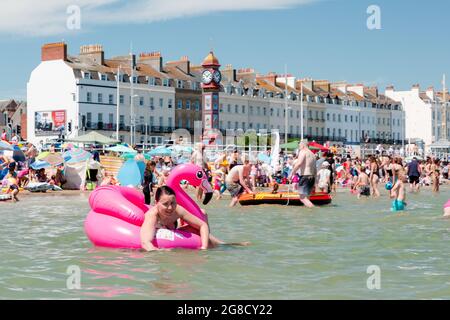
211	78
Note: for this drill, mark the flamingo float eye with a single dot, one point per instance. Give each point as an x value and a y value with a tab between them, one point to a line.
199	174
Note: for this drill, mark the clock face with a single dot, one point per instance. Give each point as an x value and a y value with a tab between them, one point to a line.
207	77
217	76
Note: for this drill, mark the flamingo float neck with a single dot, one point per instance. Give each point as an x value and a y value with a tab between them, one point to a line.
182	197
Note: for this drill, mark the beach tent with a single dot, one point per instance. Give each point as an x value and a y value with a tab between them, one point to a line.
131	173
75	174
94	138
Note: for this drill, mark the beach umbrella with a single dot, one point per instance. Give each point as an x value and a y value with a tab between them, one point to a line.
290	146
53	158
121	149
127	156
76	155
67	146
316	146
160	151
5	146
42	155
40	164
18	154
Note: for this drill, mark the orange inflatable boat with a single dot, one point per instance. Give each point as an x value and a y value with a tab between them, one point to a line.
283	198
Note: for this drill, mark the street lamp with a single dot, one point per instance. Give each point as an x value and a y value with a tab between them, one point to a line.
117	102
132	119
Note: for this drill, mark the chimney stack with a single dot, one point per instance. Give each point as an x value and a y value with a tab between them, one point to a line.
322	84
229	73
271	77
183	64
430	93
357	88
247	75
93	53
152	59
54	51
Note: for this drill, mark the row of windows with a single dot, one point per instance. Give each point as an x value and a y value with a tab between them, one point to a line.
181	84
257	111
188	104
319	115
307	98
142	101
111	119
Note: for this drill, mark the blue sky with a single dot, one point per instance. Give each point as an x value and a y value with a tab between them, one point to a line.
322	39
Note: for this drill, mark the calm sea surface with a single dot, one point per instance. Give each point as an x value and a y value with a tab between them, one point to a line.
296	253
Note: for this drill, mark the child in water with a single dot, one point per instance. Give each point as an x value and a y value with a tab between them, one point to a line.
13	184
398	193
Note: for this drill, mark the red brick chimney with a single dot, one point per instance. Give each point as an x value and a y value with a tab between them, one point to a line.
54	51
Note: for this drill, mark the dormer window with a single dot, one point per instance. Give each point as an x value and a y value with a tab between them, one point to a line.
87	75
180	84
103	77
165	82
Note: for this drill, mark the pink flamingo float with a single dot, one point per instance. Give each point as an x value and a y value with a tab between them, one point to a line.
117	213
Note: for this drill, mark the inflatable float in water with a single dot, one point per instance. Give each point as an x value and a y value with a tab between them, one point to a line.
4	197
41	187
283	198
117	213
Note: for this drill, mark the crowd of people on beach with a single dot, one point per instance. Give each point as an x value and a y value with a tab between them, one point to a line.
238	171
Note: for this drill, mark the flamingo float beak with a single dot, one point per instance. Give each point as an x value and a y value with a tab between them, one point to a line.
207	190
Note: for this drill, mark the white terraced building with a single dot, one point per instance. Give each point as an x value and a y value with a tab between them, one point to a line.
74	94
423	113
340	112
84	88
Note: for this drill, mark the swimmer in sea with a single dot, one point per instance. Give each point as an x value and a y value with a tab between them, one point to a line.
398	193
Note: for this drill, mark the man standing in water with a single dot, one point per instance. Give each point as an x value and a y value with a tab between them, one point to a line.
306	163
236	180
414	172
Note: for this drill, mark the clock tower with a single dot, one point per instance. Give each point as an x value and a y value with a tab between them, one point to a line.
211	78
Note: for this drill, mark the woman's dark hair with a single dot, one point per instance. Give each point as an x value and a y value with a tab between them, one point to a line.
163	190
